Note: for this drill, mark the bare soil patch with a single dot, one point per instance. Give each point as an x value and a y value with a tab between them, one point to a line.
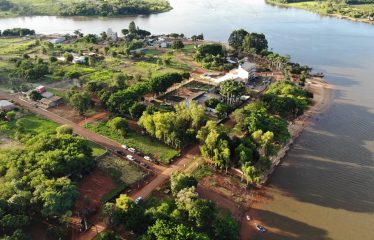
94	187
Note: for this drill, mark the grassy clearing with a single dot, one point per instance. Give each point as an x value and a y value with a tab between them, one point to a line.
30	124
202	171
145	144
120	170
97	150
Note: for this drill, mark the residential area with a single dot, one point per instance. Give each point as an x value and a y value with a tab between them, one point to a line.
152	108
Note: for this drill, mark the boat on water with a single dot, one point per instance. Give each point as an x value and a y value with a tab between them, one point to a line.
319	74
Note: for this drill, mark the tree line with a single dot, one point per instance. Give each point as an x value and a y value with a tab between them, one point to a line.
38	180
184	216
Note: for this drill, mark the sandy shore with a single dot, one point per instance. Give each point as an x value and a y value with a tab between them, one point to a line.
323	96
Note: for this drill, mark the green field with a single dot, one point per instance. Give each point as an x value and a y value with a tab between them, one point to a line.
30	124
120	170
143	143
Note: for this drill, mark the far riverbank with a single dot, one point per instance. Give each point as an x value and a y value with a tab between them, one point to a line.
307	6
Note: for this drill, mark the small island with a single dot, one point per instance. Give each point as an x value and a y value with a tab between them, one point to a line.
356	10
105	8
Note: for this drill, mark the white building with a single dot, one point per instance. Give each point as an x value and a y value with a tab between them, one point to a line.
111	35
79	59
244	73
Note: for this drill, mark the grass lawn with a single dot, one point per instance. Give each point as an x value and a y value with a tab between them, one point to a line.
97	150
31	124
145	144
120	170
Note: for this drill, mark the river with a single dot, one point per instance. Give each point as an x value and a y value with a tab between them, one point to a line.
325	187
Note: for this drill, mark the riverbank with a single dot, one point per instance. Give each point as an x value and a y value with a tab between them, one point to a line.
322	10
78	8
323	96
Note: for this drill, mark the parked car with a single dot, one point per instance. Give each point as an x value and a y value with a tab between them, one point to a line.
120	152
129	157
138	200
148	158
131	150
124	146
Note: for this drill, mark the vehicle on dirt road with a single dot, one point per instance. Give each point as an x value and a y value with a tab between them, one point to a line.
260	228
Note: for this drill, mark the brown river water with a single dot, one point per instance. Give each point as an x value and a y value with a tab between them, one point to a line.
325	187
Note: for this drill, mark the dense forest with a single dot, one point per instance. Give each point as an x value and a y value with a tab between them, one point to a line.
83	8
38	179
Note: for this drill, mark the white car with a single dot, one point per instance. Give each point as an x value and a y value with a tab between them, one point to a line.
261	228
248	218
124	146
129	157
131	150
148	158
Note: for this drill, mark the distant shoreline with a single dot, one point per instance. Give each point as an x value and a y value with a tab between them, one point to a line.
335	15
48	9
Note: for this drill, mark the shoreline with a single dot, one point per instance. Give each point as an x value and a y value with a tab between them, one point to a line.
334	15
322	100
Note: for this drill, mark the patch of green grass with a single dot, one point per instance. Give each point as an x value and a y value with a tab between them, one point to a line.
143	143
33	124
120	170
97	150
113	194
202	171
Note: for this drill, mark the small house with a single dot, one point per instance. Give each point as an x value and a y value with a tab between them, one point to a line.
6	106
51	102
247	71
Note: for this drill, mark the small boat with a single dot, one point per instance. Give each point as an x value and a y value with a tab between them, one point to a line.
319	74
260	228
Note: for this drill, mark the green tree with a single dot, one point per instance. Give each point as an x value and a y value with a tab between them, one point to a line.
177	44
132	27
125	32
250	173
180	181
137	109
236	38
10	115
56	195
81	102
255	42
35	95
224	227
68	57
232	91
119	125
64	129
